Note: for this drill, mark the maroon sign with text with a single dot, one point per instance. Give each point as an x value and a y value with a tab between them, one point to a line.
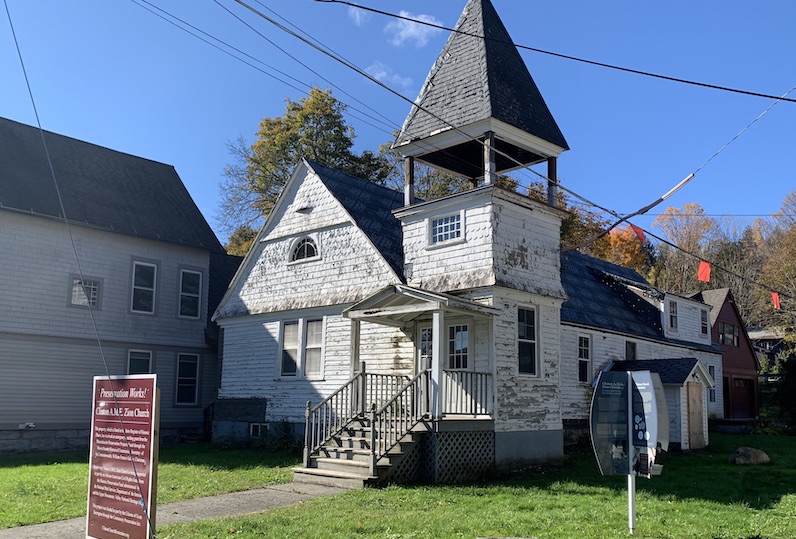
122	465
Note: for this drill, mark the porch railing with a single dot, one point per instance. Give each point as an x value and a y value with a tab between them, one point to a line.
398	416
467	393
333	414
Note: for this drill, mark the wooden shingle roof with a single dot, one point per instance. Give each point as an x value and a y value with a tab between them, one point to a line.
101	188
480	75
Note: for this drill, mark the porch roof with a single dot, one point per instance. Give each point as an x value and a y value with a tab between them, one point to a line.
398	304
675	371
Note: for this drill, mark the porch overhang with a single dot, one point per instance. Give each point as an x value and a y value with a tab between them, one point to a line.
399	305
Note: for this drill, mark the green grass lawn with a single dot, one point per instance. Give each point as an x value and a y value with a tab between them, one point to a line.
699	496
41	488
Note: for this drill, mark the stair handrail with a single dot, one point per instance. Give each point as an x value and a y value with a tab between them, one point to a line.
398	416
334	413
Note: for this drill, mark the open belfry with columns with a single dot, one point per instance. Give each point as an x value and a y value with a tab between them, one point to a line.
412	340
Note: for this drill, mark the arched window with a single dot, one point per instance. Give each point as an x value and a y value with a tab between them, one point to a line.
304	249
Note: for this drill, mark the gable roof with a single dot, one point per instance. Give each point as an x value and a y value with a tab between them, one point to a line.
480	74
100	188
598	297
672	371
370	205
715	298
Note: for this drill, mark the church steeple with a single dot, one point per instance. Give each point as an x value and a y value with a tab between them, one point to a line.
480	88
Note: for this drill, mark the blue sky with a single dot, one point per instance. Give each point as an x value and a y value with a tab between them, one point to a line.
114	74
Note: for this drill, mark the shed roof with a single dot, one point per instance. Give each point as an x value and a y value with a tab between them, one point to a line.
100	188
672	371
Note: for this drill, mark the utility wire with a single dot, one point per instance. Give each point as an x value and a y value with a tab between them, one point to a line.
564	56
77	262
680	185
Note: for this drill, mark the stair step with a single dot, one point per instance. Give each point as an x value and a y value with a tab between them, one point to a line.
319	476
360	467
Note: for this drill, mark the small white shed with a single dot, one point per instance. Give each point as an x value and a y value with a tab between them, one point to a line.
686	382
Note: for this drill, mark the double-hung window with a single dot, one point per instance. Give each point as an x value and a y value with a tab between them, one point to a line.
144	287
673	315
703	321
458	346
584	358
187	379
302	348
526	341
190	293
712	391
139	362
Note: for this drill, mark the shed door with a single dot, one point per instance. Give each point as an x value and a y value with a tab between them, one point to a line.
696	429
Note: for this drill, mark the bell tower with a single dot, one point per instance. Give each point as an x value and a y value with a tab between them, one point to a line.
479	112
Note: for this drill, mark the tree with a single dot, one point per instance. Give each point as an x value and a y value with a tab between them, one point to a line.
240	241
312	127
624	248
690	230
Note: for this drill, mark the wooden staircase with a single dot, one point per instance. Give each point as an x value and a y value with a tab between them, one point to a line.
345	459
347	447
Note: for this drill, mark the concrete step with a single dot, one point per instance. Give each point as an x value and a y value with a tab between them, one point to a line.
317	476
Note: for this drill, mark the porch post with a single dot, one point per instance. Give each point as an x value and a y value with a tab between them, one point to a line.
437	364
354	350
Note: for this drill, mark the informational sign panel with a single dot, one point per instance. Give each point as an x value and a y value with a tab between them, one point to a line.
123	458
645	428
609	423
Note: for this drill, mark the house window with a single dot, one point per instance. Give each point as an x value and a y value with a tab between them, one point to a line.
305	249
630	351
673	315
139	362
703	315
446	228
584	358
526	341
728	334
144	280
85	292
712	391
458	346
302	348
187	379
190	293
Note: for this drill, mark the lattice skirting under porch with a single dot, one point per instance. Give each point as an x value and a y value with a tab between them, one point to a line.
448	457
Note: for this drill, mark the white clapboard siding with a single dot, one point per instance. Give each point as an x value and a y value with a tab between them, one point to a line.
606	347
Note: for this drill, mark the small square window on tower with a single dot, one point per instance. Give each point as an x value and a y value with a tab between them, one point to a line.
446	228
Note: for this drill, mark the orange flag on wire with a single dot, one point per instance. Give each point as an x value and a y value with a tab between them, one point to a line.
703	274
775	298
639	233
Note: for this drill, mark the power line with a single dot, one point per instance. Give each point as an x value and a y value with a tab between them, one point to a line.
564	56
79	267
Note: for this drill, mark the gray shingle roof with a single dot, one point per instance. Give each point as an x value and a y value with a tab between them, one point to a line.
597	299
715	298
476	78
671	371
371	206
101	188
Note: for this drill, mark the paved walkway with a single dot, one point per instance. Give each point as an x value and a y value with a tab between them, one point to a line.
237	503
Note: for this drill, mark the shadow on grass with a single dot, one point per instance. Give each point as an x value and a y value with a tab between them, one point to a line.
219	458
185	454
701	474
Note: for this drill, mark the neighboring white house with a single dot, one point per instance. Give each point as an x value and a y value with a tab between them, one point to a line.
426	340
144	261
613	317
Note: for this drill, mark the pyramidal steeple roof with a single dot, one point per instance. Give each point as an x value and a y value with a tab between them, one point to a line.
478	78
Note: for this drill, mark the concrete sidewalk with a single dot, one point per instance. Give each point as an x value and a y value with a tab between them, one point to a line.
237	503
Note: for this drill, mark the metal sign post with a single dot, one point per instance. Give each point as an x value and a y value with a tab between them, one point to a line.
629	427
